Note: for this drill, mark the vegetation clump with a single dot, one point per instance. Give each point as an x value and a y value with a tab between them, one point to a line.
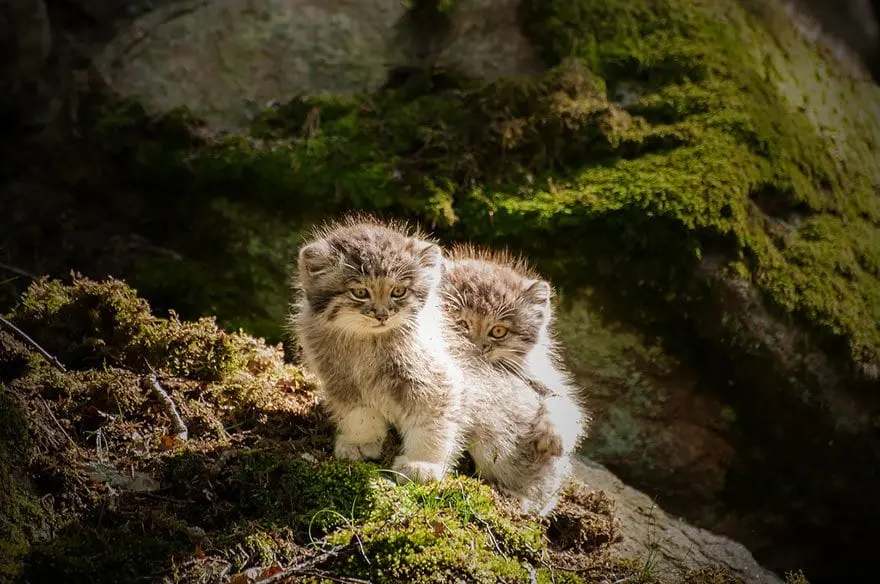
584	520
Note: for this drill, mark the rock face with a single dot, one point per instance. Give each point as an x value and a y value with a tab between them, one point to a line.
707	170
654	423
668	544
227	59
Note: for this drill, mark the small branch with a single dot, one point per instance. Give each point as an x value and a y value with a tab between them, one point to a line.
180	431
533	576
18	271
57	423
307	565
33	344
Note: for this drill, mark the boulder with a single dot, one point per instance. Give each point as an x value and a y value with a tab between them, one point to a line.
668	544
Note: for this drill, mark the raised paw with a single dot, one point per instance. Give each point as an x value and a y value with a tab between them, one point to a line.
346	450
417	471
546	440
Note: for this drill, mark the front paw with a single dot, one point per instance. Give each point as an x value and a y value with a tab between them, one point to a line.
417	471
347	450
546	440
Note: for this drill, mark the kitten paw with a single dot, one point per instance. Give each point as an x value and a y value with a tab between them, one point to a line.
345	450
417	471
547	441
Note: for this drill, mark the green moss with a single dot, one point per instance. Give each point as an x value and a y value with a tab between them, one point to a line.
440	533
314	497
692	66
88	323
24	520
275	489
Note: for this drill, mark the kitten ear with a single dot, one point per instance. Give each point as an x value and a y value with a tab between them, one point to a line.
314	259
430	255
538	292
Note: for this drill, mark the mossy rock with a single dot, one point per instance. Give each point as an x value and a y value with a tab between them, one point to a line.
660	136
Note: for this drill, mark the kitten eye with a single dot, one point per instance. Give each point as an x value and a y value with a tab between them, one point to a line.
359	292
498	332
398	292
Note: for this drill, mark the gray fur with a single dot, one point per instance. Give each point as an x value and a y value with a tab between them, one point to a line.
374	373
484	289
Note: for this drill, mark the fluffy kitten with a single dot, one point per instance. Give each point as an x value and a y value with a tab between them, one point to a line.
504	309
371	326
369	322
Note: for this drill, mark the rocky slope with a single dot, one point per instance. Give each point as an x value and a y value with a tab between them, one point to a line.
699	177
104	481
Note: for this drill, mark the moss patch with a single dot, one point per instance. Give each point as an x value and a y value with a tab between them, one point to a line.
440	533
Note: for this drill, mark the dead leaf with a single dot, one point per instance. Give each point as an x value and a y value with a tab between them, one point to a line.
247	577
269	572
168	442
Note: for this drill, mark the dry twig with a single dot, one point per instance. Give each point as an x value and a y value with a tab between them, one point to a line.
307	565
18	271
533	576
51	359
180	431
57	423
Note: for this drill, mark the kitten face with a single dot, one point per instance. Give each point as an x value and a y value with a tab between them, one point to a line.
500	311
366	278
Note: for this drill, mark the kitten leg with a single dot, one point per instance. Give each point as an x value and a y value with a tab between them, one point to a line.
361	433
429	450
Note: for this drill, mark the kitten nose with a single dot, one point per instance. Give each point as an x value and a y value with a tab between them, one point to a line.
381	315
